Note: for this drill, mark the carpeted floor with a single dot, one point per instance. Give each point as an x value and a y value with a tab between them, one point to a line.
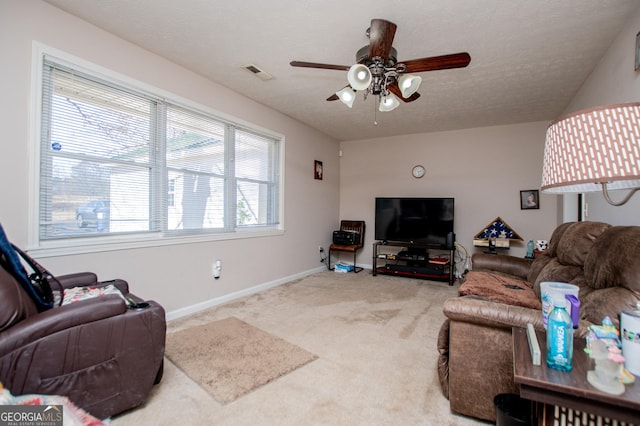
375	339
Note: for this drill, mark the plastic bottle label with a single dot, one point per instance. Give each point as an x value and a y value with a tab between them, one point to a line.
560	340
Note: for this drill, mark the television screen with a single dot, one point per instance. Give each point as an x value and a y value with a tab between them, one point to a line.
425	221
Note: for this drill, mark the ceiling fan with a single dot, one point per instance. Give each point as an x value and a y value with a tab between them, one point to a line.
378	72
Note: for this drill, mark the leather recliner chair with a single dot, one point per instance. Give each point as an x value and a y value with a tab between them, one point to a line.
100	353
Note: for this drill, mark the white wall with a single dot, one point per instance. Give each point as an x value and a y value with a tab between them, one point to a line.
614	80
177	276
483	168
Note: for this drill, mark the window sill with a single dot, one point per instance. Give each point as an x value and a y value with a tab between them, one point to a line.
119	243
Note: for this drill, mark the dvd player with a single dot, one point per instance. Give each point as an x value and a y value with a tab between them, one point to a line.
407	255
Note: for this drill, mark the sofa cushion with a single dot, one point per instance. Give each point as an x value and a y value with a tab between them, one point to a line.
500	289
614	260
577	240
555	271
554	240
509	266
549	254
538	265
607	302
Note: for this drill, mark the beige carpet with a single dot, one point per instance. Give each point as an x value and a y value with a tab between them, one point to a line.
375	338
230	358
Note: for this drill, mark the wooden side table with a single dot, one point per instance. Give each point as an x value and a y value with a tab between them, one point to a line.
559	391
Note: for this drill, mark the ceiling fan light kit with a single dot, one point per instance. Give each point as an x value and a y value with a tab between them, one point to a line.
359	77
409	84
378	72
347	96
389	103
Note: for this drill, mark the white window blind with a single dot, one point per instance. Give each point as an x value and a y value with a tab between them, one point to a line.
256	179
116	161
195	155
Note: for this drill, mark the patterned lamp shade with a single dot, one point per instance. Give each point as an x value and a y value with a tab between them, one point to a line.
588	148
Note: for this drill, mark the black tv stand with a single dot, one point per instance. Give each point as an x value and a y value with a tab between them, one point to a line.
429	262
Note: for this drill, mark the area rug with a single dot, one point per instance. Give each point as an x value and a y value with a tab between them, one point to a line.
230	358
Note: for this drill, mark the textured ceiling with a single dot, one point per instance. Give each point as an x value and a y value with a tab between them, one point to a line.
528	57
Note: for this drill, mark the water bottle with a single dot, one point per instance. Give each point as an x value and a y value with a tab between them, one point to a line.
529	254
559	336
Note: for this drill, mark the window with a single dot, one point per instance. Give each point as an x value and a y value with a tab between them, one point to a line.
115	161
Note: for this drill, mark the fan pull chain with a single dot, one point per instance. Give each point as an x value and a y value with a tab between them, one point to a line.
375	114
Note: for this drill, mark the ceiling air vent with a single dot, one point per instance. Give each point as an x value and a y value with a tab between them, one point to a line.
255	70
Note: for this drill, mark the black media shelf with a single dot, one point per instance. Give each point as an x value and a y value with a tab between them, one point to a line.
412	266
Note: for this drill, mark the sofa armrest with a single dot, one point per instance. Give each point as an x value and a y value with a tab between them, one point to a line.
477	365
80	279
488	313
121	285
61	318
510	265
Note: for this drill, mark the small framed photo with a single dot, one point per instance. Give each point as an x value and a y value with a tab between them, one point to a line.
529	199
637	52
317	170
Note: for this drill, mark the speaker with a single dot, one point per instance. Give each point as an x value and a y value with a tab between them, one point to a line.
346	238
451	240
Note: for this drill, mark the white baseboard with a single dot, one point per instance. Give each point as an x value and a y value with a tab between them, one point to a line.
235	295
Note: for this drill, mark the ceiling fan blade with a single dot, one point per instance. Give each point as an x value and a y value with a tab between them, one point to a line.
455	60
381	35
321	66
393	88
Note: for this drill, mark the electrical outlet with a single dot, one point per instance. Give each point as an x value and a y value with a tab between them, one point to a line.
216	268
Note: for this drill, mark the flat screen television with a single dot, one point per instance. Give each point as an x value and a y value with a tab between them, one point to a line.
423	221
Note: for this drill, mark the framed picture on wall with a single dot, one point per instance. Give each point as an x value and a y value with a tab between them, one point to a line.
529	199
637	52
317	170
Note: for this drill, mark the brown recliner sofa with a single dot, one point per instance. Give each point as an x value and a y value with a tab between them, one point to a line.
100	353
475	341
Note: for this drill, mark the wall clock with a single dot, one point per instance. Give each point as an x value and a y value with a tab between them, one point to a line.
418	171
